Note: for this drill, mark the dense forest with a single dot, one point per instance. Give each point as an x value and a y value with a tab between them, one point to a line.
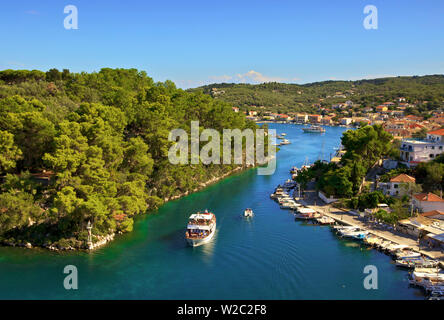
282	98
79	147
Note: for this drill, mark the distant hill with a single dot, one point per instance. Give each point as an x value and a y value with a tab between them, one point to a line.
282	97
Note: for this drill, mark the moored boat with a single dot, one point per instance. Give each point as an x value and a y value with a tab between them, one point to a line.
324	220
306	214
415	263
201	228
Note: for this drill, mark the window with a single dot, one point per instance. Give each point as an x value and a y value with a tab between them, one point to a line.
395	186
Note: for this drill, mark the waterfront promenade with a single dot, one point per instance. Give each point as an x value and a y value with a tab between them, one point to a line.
311	200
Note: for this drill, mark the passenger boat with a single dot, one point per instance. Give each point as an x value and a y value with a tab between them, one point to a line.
314	129
201	228
248	213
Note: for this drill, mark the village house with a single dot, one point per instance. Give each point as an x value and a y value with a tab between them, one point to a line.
381	108
345	121
327	120
411	117
425	202
283	117
416	151
397	113
314	118
397	186
235	109
301	118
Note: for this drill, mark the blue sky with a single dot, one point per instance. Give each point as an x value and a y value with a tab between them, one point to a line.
200	42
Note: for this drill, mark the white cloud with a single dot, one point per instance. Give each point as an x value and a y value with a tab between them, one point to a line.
251	76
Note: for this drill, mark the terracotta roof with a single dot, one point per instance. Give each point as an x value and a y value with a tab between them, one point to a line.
403	178
428	197
432	213
439	132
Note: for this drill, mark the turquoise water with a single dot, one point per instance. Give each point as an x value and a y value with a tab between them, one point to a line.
271	256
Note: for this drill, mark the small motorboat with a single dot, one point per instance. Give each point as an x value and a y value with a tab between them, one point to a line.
325	220
285	141
415	263
248	213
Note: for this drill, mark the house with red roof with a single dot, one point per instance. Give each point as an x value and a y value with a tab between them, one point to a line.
436	135
434	214
426	202
314	118
381	108
397	186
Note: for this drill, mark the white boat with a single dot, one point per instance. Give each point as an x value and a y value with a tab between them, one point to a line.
279	192
306	213
294	170
347	229
325	220
201	228
285	141
314	129
357	235
289	184
248	213
415	263
284	199
283	134
406	254
289	205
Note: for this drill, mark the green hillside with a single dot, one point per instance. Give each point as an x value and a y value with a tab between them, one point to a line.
281	97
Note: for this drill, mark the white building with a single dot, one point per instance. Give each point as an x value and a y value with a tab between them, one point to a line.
397	186
346	121
416	151
301	118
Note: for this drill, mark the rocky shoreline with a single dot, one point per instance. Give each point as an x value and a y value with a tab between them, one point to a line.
103	240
